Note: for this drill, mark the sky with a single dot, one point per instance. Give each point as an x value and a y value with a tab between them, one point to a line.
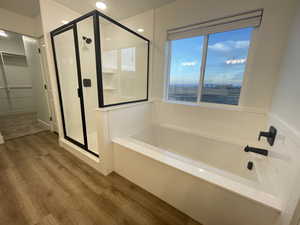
226	58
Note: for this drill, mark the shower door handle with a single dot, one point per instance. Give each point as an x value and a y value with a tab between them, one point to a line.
79	92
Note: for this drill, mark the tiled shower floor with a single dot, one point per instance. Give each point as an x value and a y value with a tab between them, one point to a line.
13	126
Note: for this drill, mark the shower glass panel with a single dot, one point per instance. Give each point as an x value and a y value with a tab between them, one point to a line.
99	62
86	44
70	92
124	57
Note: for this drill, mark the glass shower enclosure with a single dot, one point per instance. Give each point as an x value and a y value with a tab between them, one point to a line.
99	63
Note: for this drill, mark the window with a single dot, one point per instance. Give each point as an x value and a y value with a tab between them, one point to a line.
185	69
223	68
207	61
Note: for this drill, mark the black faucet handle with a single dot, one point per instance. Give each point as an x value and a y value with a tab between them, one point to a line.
263	134
247	148
270	135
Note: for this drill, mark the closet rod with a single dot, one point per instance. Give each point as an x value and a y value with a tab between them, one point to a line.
11	53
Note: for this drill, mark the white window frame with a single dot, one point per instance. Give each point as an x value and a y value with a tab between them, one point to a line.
202	74
237	21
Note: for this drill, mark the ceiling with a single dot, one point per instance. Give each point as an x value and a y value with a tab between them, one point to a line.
117	9
29	8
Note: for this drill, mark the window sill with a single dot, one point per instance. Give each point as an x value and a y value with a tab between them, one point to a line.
217	106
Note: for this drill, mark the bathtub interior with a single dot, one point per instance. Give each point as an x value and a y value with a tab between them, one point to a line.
225	159
214	153
214	159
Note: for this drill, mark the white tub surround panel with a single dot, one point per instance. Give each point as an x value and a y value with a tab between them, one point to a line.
196	197
129	119
111	122
228	123
118	121
284	164
103	164
283	167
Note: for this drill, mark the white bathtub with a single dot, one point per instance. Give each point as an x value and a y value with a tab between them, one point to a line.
161	155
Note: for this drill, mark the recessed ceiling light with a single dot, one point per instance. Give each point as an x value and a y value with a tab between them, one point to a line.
101	5
140	30
65	21
3	33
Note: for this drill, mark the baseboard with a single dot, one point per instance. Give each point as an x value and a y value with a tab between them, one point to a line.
44	124
82	155
1	139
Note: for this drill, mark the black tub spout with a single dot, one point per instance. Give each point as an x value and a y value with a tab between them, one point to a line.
256	150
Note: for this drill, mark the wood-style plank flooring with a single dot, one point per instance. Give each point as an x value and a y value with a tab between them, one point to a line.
42	184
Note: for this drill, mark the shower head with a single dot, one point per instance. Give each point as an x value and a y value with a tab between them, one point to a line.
87	39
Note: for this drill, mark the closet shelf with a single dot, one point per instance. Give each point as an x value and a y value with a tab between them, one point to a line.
16	87
7	54
109	88
10	58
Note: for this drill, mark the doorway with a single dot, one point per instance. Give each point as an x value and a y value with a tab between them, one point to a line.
24	106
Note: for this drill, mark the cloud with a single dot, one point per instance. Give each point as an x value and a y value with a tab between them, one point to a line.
236	61
194	63
226	46
242	44
221	46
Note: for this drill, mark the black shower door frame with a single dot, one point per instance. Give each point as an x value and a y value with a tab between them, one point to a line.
84	145
73	25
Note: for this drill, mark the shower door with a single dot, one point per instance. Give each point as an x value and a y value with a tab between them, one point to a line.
67	65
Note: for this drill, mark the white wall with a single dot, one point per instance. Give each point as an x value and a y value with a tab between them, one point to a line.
20	24
38	26
34	66
261	72
265	54
285	117
49	92
286	97
52	15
